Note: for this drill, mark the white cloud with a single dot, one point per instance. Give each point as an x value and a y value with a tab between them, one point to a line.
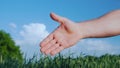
93	47
31	35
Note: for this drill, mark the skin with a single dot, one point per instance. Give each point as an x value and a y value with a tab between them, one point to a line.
69	32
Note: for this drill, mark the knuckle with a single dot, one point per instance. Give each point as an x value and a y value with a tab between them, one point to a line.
42	50
41	44
46	52
65	19
53	41
53	52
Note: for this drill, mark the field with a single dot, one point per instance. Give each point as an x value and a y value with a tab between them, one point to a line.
60	61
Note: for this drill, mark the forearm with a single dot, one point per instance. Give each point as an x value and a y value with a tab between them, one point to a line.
105	26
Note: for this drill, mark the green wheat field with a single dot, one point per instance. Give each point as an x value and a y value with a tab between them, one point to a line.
60	61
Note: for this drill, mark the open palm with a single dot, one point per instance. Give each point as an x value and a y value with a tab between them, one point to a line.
66	35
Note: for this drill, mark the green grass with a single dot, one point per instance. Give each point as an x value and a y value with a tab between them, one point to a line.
60	61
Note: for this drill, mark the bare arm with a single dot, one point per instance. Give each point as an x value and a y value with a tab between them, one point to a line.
105	26
69	32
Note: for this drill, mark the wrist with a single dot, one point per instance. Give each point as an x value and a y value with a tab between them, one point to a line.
86	28
82	31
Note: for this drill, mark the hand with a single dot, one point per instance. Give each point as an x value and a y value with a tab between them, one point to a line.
66	35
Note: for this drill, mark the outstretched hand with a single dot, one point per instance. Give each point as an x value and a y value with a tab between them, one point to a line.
66	35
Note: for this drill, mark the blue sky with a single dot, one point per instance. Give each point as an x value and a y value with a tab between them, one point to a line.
22	18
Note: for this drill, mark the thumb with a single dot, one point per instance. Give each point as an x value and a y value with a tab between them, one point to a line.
57	18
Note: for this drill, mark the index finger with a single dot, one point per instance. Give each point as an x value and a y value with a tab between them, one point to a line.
46	40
